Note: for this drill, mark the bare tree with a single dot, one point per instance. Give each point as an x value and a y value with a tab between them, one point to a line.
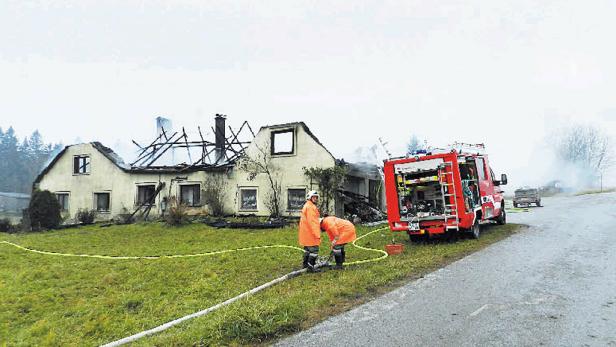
605	156
260	162
272	199
215	193
329	180
585	146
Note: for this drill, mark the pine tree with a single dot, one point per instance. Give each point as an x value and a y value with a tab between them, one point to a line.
413	145
3	162
21	163
9	157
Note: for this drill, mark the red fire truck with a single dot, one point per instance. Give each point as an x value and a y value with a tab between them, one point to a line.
443	192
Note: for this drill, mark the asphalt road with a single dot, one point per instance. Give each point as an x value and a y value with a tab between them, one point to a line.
553	284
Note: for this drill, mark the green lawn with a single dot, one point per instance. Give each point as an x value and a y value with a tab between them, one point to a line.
595	191
53	300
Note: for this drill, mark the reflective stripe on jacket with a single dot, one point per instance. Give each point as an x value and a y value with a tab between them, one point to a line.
309	228
341	228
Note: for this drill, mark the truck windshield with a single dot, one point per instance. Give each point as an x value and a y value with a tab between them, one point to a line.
526	192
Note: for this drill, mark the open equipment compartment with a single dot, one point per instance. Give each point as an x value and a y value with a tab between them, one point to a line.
421	192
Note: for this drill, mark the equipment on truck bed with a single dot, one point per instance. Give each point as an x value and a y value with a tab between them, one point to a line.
443	191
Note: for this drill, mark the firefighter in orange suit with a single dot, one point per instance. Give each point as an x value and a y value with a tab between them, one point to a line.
310	230
340	232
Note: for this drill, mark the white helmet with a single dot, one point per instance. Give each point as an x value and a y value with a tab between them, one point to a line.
311	194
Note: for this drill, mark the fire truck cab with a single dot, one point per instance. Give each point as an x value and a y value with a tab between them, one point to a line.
443	192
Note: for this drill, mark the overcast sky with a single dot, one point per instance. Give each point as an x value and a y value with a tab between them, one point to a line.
499	72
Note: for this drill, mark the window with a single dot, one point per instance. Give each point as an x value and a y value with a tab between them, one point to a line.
145	194
481	169
296	199
81	164
102	202
63	200
190	194
248	199
283	142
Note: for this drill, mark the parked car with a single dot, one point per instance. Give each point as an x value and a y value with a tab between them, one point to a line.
526	196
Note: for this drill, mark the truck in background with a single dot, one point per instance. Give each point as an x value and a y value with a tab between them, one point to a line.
525	196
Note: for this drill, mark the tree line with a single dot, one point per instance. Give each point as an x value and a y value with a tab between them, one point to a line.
21	161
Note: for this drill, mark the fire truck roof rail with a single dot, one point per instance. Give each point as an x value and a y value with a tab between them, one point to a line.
462	147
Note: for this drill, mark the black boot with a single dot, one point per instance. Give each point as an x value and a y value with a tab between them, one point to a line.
312	265
339	258
305	260
313	255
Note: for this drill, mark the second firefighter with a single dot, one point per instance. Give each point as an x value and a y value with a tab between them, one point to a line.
340	232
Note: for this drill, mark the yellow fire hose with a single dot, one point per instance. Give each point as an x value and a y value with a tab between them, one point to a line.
168	325
113	257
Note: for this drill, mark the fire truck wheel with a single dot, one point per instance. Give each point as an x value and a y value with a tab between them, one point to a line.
475	230
451	235
502	219
538	203
417	238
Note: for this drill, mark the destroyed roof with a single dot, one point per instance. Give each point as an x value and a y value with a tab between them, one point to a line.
360	169
119	162
366	170
111	155
306	129
226	150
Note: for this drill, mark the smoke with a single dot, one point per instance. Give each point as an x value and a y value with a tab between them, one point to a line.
557	159
571	176
537	165
370	155
126	150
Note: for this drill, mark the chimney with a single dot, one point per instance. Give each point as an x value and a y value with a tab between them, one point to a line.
220	137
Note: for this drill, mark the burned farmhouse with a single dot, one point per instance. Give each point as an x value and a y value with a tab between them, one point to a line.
235	173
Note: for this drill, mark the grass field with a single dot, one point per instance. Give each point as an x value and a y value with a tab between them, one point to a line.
53	300
595	191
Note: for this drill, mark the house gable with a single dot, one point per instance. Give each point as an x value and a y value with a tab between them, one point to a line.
106	152
288	166
306	138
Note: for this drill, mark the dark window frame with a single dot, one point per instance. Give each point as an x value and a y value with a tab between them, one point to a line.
96	201
299	208
196	194
273	141
65	200
256	190
78	165
140	187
